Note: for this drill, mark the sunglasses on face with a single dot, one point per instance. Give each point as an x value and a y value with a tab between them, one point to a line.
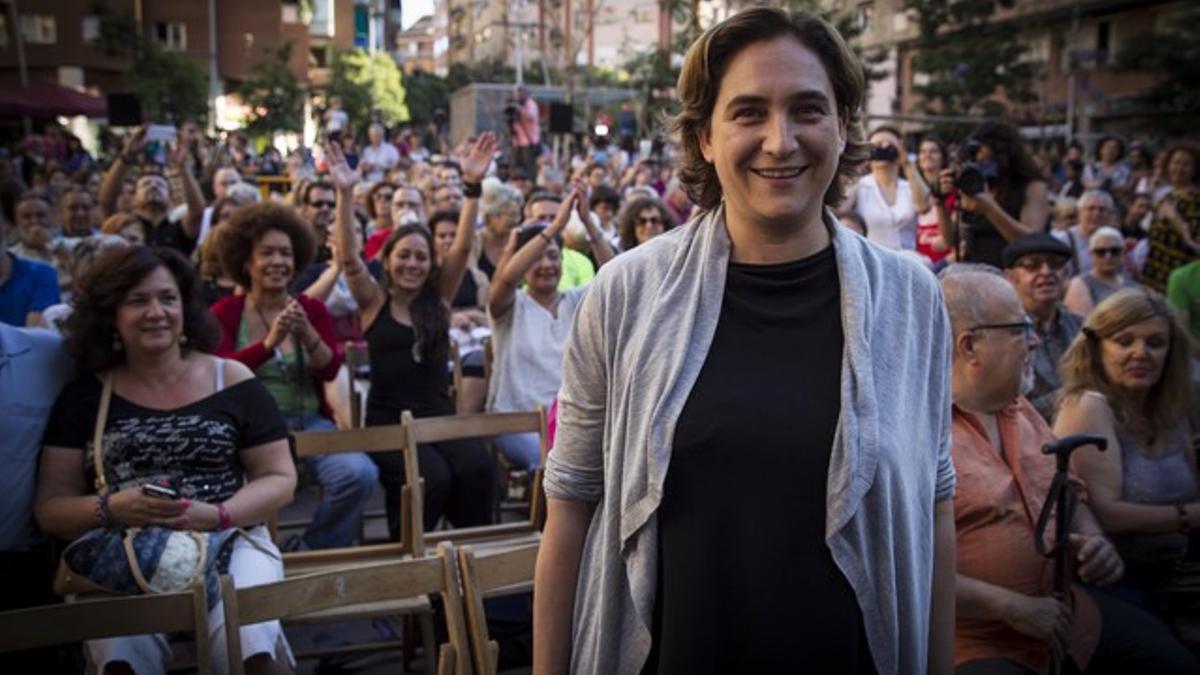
652	220
323	204
1108	252
383	196
1034	263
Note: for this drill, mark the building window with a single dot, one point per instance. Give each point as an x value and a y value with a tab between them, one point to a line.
91	29
172	35
39	29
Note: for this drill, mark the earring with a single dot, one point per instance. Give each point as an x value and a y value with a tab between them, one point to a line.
116	343
183	340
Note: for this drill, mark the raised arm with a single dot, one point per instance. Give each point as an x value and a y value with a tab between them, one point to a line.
474	165
180	156
366	292
503	291
114	178
601	249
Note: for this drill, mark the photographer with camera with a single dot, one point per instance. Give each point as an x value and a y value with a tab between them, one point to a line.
523	118
1002	195
886	202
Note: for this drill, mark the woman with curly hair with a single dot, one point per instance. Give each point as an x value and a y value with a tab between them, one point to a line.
1174	237
290	344
1126	378
642	219
406	322
142	340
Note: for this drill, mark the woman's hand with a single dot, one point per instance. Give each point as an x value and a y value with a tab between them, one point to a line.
343	177
1099	562
569	203
281	327
301	326
134	145
132	508
476	160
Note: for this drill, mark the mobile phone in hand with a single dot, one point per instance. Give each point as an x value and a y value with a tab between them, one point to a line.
160	491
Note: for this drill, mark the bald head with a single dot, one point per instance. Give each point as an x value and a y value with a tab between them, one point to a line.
971	290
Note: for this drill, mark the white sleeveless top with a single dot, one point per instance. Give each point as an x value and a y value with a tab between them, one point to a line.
893	226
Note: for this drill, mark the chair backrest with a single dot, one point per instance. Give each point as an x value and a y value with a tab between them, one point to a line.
109	616
456	378
347	586
483	573
418	430
355	356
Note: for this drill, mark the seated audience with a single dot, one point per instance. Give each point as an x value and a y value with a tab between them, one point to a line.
1175	229
530	327
1106	250
290	344
1008	620
577	268
500	209
178	414
1096	210
406	322
1126	378
1035	266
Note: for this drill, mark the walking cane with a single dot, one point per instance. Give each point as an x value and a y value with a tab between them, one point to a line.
1061	500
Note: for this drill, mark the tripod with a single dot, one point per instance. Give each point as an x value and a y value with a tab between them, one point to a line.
1060	502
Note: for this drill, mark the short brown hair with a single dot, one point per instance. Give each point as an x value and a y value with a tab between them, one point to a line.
1082	369
700	81
249	224
371	212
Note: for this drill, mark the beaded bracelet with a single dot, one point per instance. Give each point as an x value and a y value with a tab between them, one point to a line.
224	520
103	513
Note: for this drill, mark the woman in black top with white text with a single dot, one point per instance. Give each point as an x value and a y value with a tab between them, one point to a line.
406	323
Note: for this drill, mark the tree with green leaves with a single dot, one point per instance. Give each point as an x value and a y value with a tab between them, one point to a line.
1172	55
367	85
425	93
170	86
273	94
974	64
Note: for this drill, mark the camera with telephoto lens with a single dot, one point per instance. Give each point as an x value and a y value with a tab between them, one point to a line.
974	176
884	153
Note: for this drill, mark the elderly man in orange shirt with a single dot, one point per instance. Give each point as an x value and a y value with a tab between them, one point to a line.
1007	620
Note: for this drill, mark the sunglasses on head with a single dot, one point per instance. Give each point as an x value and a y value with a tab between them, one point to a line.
1108	251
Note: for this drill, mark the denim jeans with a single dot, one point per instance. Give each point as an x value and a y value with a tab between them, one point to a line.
523	450
347	480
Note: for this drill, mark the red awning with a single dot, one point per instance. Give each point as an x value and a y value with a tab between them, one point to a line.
46	99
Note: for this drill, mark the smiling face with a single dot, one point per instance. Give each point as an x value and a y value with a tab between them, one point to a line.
542	278
78	213
649	224
1181	168
1133	358
929	158
775	135
272	262
150	318
409	263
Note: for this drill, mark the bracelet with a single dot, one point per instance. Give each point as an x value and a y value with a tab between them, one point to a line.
1181	511
472	190
224	520
103	513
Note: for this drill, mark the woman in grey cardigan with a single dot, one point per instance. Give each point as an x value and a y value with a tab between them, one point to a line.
752	465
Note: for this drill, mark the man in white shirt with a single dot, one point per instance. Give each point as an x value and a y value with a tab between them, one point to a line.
378	156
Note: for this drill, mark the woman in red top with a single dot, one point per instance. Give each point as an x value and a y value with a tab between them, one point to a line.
290	344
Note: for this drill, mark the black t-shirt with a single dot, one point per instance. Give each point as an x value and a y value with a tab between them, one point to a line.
400	382
195	446
168	234
745	580
983	242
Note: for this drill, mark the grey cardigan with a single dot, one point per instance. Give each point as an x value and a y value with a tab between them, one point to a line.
639	340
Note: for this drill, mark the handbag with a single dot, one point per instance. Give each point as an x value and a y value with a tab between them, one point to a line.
133	560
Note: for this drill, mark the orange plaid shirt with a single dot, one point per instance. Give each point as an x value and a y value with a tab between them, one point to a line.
996	505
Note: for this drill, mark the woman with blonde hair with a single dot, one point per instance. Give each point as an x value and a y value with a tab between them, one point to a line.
1125	377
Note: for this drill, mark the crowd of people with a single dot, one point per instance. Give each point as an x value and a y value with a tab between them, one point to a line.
193	314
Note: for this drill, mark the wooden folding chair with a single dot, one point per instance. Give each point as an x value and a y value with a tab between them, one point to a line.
456	379
110	616
456	427
353	592
489	573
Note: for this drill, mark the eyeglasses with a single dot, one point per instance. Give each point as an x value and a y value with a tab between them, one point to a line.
411	205
323	204
1108	252
652	220
1033	263
383	196
1026	327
